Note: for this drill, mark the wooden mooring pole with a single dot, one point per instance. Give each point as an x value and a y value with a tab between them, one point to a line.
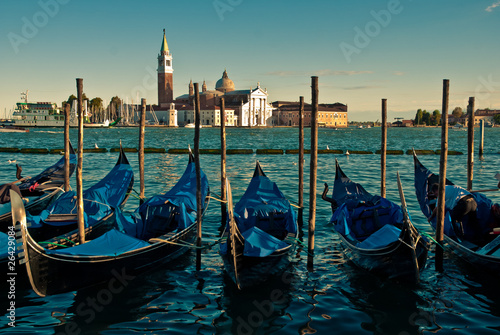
383	149
301	162
442	177
79	176
481	138
223	204
470	143
197	122
67	118
313	168
142	128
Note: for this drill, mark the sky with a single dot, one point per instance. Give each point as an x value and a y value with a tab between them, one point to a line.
361	50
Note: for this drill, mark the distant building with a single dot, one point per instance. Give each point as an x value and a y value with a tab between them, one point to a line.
485	114
286	113
249	108
165	75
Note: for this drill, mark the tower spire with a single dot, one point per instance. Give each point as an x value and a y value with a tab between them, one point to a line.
164	45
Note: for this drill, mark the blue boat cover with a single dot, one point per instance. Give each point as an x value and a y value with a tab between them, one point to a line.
258	243
174	210
98	201
424	179
131	233
381	238
262	209
112	243
361	214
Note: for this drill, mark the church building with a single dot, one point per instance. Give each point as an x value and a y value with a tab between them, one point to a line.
244	108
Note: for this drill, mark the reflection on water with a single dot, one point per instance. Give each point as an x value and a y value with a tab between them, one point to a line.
335	297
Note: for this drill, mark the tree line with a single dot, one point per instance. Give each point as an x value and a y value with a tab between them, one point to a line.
98	112
425	118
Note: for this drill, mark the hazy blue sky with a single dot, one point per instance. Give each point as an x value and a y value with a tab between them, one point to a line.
361	50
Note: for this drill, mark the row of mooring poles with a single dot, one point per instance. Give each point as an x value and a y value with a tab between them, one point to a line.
383	149
223	206
67	173
197	123
79	169
313	163
442	177
470	143
301	162
79	176
142	128
313	170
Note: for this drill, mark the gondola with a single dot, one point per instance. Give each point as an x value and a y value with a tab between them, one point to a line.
375	233
38	191
99	202
260	234
476	245
159	230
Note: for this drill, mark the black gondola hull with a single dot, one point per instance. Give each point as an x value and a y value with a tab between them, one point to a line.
253	271
52	274
399	261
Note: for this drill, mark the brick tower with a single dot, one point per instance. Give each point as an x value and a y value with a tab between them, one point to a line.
165	75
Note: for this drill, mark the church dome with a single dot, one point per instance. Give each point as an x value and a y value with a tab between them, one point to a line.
224	84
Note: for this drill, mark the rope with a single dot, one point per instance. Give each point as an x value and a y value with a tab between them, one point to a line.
66	239
223	201
185	244
56	244
97	202
425	234
136	196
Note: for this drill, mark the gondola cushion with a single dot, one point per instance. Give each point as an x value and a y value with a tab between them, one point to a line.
381	238
258	243
112	243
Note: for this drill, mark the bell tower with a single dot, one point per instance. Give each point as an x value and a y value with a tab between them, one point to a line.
165	75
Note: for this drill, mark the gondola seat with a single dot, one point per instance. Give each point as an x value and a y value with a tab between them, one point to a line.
365	221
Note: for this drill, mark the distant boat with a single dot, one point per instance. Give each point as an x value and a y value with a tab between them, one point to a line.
104	124
12	129
458	126
191	125
41	114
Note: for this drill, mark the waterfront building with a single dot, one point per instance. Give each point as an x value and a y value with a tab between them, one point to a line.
485	114
209	117
286	113
244	108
